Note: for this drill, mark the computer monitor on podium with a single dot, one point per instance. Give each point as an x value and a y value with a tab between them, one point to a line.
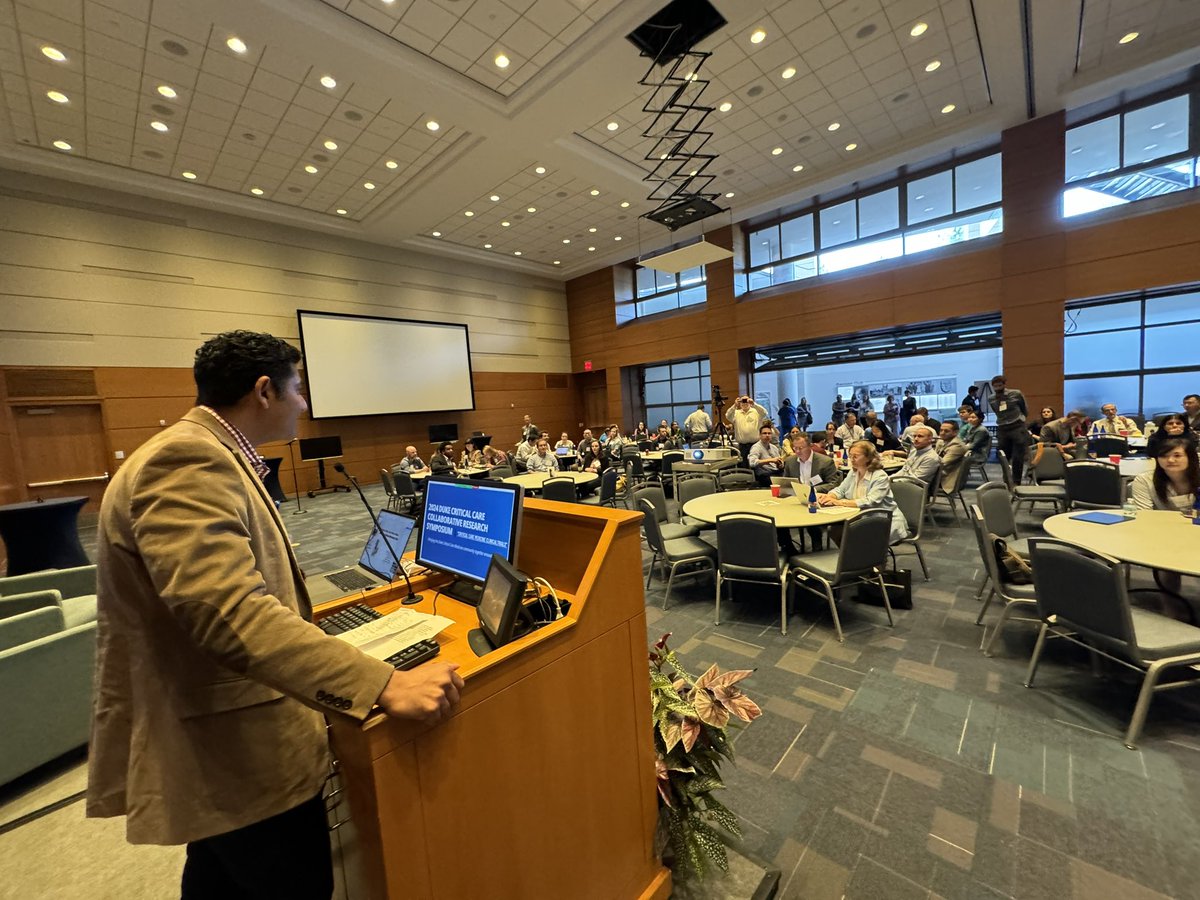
463	523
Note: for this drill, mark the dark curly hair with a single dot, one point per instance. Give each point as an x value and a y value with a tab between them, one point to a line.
228	365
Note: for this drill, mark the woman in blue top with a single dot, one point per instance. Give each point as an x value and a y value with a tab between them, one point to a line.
867	487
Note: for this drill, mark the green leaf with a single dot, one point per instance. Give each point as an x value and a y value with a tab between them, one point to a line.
704	784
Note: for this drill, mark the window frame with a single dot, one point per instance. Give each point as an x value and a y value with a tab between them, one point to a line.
635	301
704	372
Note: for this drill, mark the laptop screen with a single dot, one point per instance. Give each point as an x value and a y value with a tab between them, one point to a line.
375	556
562	451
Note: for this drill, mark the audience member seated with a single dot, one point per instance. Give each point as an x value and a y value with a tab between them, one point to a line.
493	457
1036	425
867	487
906	437
613	441
1191	408
565	443
766	457
542	459
471	458
1112	423
810	466
664	440
850	431
819	443
585	438
640	433
411	462
831	438
442	462
677	432
929	419
1174	480
977	438
593	459
1060	433
953	453
522	453
1170	425
789	442
922	460
882	438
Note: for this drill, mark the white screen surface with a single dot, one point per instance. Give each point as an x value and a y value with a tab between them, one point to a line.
364	366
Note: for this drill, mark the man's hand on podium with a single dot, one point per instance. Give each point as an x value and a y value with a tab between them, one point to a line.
426	693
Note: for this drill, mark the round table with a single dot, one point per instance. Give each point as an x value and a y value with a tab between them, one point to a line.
1157	538
532	481
890	464
788	512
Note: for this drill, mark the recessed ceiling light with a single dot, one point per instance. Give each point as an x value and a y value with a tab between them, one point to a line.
487	246
310	169
392	164
236	44
776	151
566	240
725	107
531	209
495	198
167	91
594	192
797	168
1131	36
919	29
331	145
190	176
948	108
57	96
757	36
369	185
728	195
501	61
851	146
558	262
468	213
933	65
516	253
540	170
624	204
505	224
54	53
834	126
617	238
256	191
160	127
789	72
436	233
613	126
591	249
432	125
340	211
328	81
62	145
591	231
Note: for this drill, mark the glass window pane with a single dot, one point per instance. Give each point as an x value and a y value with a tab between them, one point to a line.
1093	149
1153	132
764	246
1089	394
657	373
838	225
931	197
705	389
796	237
685	369
802	268
665	281
1114	351
658	304
965	228
879	212
645	282
1165	393
658	392
1153	181
689	277
1173	345
692	296
686	390
655	413
626	312
977	183
1177	308
759	280
704	366
1127	314
862	254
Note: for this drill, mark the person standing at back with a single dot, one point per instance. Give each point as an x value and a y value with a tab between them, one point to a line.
804	416
787	416
1012	437
908	407
212	684
838	409
699	422
745	417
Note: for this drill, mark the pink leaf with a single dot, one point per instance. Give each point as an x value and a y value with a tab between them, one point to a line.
743	707
691	731
726	679
709	711
712	673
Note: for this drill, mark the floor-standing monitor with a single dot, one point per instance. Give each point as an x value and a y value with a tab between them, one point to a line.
463	524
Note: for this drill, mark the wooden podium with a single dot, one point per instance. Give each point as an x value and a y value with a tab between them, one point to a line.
542	783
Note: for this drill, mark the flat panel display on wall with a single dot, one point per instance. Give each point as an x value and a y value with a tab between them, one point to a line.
371	365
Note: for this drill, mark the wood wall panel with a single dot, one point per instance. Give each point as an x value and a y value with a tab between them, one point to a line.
9	475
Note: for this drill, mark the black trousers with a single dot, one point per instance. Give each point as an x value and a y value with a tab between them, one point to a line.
1014	441
744	449
286	855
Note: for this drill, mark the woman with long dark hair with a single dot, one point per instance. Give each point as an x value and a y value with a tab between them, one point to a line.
1168	426
881	436
1174	480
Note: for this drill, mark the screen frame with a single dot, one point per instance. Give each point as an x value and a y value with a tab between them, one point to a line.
514	536
503	569
381	518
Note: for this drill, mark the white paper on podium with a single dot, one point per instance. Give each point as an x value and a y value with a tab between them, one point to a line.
392	633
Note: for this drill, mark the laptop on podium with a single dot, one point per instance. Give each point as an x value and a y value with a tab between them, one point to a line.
376	566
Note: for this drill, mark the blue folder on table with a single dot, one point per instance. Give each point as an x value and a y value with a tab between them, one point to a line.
1101	518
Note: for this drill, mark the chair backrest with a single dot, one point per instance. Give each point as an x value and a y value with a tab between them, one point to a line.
735	477
1109	445
634	467
987	552
1086	589
1091	482
911	498
608	485
960	479
561	489
652	493
669	458
689	487
403	484
746	542
499	472
1050	466
995	503
650	525
629	448
864	543
389	486
1005	469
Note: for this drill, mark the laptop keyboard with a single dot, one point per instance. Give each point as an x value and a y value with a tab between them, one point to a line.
351	580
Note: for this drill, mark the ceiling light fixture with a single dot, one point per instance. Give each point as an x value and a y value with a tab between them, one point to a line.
331	145
328	81
566	240
776	151
919	29
725	107
310	169
933	65
62	145
613	126
591	249
256	191
833	126
369	185
617	237
531	209
53	53
167	91
1127	38
948	108
789	72
624	204
591	230
851	146
495	198
57	96
594	192
160	127
758	36
487	246
516	253
340	211
501	61
436	233
729	195
190	176
558	262
468	213
505	224
797	168
392	164
540	170
236	44
432	125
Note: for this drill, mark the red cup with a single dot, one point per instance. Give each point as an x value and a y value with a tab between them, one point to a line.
1123	432
774	490
1115	459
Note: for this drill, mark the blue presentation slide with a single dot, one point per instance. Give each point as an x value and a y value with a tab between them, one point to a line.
464	525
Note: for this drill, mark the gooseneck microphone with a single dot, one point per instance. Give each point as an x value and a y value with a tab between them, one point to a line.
412	597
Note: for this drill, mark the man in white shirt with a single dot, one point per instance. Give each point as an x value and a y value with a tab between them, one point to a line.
699	422
922	461
523	452
766	457
411	462
541	459
746	417
529	431
906	437
850	431
1115	424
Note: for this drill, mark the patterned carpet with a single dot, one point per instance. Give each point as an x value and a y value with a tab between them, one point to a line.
904	763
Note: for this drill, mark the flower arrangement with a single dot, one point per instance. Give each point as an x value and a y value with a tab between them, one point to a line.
691	716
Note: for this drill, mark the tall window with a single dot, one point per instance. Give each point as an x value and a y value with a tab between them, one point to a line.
1140	351
917	213
673	390
1140	152
657	292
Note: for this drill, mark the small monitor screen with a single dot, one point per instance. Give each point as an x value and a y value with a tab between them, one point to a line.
465	522
502	592
439	434
320	447
563	451
376	556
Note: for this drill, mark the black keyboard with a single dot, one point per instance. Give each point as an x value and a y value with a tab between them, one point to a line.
414	655
348	619
351	580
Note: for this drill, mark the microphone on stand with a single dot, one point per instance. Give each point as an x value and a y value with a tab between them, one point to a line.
412	597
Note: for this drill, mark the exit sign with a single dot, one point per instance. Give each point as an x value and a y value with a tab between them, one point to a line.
587	365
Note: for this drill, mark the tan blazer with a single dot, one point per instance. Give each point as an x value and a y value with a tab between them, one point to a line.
210	683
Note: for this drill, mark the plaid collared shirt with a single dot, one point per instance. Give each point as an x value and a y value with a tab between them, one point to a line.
248	451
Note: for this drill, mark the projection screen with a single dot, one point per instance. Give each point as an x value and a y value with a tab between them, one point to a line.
370	366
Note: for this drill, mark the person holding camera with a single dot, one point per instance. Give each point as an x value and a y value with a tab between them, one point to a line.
745	417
